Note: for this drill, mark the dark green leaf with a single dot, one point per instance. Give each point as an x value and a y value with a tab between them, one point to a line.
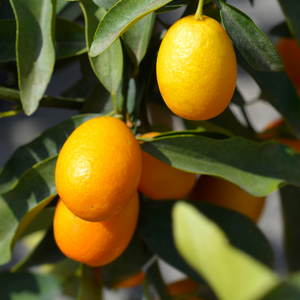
99	100
18	207
71	12
107	4
120	18
35	49
60	5
29	286
7	40
281	30
172	5
90	287
45	145
155	278
290	201
257	168
291	10
250	40
232	274
69	39
137	37
46	252
283	291
155	227
278	89
109	66
128	264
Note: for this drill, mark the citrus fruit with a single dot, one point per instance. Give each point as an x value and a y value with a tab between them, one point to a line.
132	281
98	169
196	68
95	243
160	181
184	287
290	54
217	191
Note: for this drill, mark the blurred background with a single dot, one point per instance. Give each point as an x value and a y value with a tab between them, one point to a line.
21	129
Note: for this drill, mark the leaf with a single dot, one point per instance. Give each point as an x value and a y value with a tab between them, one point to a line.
71	12
282	291
45	145
69	39
155	227
137	37
128	264
18	207
291	10
278	89
231	273
257	168
107	4
119	18
109	66
250	40
172	5
60	5
46	252
281	30
155	278
290	196
90	287
29	286
34	48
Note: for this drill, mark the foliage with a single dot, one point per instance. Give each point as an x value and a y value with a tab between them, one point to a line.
116	44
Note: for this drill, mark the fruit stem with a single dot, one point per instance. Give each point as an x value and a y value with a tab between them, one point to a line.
199	12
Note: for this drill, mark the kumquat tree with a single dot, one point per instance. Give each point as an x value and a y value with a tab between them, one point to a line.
160	160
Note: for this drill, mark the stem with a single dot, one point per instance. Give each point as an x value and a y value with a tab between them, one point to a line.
46	101
115	102
145	289
199	12
165	25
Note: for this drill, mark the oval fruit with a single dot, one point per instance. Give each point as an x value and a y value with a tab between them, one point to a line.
98	169
196	68
95	243
224	193
160	181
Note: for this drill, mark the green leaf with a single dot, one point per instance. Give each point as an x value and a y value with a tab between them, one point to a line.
69	39
60	5
90	287
290	196
46	252
250	40
45	145
99	100
172	5
29	286
291	10
18	207
109	66
282	291
119	18
34	48
107	4
231	273
257	168
155	227
155	278
281	30
278	89
128	264
71	12
137	37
